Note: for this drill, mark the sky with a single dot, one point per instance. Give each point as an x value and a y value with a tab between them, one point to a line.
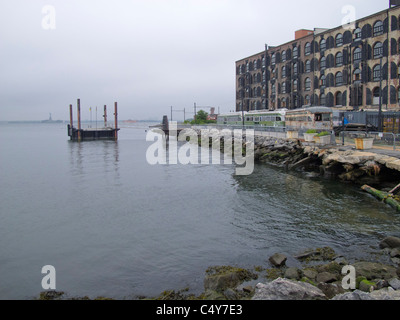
147	55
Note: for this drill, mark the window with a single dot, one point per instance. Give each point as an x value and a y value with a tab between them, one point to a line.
295	85
322	45
284	87
307	84
247	67
273	89
339	59
398	95
308	66
338	99
322	81
375	99
283	72
378	28
273	59
378	50
323	63
322	99
357	75
283	56
307	100
295	67
295	52
339	79
357	34
357	55
307	49
377	73
339	40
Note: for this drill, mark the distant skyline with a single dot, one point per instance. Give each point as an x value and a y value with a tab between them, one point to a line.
147	55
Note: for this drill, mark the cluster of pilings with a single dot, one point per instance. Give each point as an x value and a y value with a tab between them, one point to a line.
105	133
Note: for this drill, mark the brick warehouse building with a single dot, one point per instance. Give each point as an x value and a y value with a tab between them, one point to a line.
337	67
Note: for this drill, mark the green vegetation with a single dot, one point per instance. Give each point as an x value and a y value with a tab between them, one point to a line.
311	131
201	118
323	133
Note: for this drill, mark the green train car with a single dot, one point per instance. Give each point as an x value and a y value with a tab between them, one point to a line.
254	118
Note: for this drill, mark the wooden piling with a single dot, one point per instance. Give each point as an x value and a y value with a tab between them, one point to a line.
79	119
105	116
71	120
116	120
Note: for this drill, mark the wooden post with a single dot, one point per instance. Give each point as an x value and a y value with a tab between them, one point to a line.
71	121
116	121
105	116
79	120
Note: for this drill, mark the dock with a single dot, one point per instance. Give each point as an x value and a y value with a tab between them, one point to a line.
104	133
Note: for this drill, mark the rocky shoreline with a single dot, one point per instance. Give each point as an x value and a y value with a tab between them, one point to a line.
320	277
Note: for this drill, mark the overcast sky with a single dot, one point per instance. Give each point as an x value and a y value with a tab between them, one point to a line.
147	55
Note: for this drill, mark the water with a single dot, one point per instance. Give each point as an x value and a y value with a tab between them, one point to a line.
113	225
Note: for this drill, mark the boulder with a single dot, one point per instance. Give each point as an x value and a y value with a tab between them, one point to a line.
326	277
390	242
292	273
394	283
284	289
278	259
355	295
220	278
374	270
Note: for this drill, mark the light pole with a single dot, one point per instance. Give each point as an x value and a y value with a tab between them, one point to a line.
380	97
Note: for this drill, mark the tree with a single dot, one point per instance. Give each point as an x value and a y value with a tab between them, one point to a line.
201	116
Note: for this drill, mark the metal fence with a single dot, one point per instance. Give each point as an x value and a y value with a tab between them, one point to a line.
381	140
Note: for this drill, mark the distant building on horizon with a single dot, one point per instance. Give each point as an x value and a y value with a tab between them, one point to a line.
339	67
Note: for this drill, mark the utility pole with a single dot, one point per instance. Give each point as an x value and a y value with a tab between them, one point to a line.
380	98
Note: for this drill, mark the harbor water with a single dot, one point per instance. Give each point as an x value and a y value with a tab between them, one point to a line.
114	225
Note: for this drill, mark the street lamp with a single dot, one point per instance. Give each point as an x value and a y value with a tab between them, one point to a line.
380	96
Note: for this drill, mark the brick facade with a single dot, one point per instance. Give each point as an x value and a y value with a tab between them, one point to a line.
337	67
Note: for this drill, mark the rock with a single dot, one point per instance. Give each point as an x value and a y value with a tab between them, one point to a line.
248	289
326	277
355	295
374	270
382	284
385	294
284	289
390	242
366	286
230	294
310	274
395	252
220	278
330	289
278	259
395	283
292	273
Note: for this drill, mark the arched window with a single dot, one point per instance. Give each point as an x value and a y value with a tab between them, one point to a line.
307	84
283	72
283	87
339	79
357	34
322	81
308	66
323	63
273	89
339	59
322	99
295	85
307	49
295	53
338	99
378	50
295	69
273	59
357	54
377	73
283	56
307	100
378	28
322	45
357	75
339	40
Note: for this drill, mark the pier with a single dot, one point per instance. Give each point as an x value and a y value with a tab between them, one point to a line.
105	133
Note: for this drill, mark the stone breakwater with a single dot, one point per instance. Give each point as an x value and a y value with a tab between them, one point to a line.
337	162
